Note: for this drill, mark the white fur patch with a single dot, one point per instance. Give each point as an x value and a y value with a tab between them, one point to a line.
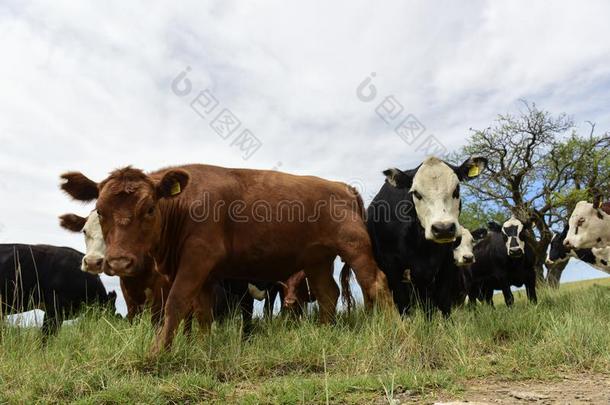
512	229
94	242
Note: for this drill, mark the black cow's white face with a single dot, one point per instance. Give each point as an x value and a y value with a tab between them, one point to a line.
435	188
514	237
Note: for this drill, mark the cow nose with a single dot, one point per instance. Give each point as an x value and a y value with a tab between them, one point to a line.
93	264
120	264
515	251
469	259
567	244
444	230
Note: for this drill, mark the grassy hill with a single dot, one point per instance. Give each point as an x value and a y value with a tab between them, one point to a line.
363	358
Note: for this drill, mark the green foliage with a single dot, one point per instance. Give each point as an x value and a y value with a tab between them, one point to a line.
363	358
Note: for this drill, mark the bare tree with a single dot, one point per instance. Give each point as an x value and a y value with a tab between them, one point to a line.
538	170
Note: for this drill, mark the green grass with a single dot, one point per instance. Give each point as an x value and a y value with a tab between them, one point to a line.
362	358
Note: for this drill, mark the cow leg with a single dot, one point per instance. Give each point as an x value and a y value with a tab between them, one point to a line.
204	307
508	296
246	305
325	289
187	328
272	294
51	324
371	279
188	288
488	296
530	289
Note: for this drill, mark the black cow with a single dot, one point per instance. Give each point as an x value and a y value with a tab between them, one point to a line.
48	278
414	247
503	259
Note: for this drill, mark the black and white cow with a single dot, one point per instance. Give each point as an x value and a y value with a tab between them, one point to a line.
503	259
589	226
48	278
415	247
598	258
464	258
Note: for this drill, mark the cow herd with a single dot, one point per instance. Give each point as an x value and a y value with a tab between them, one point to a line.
195	242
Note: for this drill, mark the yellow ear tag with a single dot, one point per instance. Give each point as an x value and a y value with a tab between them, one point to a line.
474	171
175	189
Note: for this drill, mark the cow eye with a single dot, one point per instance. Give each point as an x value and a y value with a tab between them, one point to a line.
417	195
85	233
581	221
150	211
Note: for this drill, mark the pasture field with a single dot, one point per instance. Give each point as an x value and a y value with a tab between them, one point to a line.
361	359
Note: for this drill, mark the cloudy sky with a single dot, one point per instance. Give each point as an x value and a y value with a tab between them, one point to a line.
88	86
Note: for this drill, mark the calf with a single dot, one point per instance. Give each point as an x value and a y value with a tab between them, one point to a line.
204	223
415	248
464	258
589	226
503	259
47	278
598	258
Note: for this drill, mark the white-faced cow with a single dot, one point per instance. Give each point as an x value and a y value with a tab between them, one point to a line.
415	247
47	278
464	258
203	223
589	226
598	258
504	258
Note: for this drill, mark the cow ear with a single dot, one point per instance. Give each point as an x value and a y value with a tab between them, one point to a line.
479	234
72	222
79	187
172	184
399	179
472	168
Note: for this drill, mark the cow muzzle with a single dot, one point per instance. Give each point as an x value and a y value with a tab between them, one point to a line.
515	252
444	232
93	265
468	259
120	265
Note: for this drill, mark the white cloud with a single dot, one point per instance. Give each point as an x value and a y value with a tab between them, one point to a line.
86	85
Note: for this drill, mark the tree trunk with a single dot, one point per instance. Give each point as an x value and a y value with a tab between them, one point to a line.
554	274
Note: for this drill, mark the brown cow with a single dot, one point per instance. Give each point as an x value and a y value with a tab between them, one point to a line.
202	223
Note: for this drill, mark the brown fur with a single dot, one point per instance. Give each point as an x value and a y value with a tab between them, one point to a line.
72	222
193	252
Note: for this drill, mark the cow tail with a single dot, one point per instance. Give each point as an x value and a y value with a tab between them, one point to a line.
346	290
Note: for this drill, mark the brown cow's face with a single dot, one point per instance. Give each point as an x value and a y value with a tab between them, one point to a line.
130	216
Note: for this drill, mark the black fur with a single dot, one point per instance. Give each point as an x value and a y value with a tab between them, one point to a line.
48	278
494	269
